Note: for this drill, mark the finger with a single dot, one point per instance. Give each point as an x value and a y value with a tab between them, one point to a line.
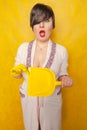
22	67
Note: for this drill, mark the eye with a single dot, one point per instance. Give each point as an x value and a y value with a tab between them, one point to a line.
47	20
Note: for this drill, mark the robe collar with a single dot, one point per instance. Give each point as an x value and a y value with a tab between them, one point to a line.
51	50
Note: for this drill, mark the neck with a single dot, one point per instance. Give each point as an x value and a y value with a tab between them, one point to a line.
41	43
41	46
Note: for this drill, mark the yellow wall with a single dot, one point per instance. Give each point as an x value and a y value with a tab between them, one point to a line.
71	31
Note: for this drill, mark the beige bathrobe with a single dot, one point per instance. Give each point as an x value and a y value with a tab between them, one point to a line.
42	113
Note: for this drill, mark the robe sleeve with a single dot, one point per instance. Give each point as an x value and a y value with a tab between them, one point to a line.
21	54
64	63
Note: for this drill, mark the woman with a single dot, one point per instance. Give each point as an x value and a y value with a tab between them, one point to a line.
43	113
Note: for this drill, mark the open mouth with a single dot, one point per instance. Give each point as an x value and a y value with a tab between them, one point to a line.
42	33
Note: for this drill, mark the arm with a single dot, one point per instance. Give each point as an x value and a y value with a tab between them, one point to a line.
20	61
63	75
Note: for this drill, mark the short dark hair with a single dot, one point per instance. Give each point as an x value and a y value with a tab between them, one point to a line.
41	12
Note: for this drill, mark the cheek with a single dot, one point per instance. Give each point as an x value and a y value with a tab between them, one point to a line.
49	30
35	31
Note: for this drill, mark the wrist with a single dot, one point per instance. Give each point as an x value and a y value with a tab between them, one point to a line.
62	76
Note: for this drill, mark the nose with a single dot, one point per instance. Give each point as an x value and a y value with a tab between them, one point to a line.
42	24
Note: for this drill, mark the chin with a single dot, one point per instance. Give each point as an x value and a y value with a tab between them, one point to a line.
43	39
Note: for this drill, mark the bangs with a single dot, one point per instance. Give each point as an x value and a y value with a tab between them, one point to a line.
39	18
40	13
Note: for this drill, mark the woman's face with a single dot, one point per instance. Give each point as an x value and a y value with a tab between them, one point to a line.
43	30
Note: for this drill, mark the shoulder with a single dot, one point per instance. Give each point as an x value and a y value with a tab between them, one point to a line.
61	50
60	47
23	45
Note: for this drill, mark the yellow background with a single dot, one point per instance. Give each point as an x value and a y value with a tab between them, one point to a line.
71	31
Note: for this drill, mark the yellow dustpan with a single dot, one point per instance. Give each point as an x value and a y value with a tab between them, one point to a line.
41	81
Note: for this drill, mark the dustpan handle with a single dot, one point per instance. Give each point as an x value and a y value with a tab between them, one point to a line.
58	83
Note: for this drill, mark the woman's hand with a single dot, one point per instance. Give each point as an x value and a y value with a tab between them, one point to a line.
18	77
17	71
66	81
